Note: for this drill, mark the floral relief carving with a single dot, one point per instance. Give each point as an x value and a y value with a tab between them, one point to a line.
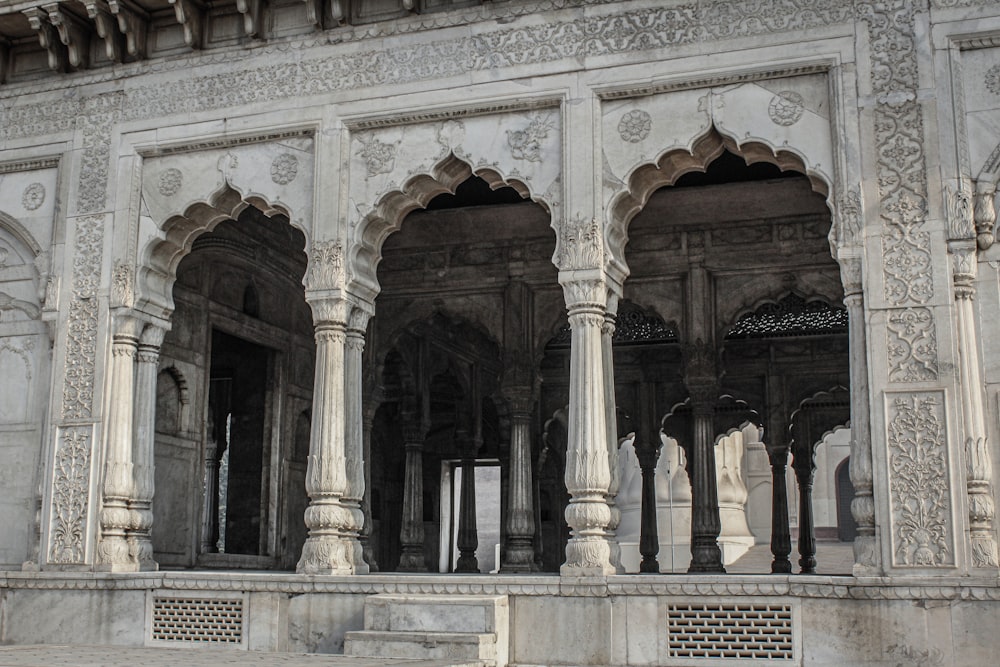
635	126
123	284
81	345
33	197
912	345
70	495
170	182
992	80
284	169
918	476
526	144
906	260
98	115
786	108
326	266
379	156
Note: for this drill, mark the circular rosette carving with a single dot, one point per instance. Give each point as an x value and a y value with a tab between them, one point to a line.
284	169
786	108
170	182
635	126
33	197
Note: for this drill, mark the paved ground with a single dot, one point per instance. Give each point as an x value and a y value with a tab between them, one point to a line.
114	656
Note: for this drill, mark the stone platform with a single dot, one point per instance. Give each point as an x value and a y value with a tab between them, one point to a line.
118	656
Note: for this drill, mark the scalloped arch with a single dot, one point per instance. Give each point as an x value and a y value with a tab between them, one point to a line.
670	165
387	217
20	232
159	259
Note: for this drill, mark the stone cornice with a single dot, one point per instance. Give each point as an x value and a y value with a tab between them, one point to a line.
725	586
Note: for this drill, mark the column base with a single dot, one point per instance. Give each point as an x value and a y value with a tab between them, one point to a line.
866	560
325	555
116	567
412	560
588	558
518	558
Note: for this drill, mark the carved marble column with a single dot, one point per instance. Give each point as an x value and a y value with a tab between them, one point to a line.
411	532
366	503
866	553
978	462
113	549
805	471
519	552
354	436
141	505
329	548
211	468
706	524
588	473
611	424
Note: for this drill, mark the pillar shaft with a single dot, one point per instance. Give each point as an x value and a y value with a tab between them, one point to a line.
588	474
807	530
611	424
468	532
781	540
112	551
706	523
411	533
141	506
519	554
329	548
354	436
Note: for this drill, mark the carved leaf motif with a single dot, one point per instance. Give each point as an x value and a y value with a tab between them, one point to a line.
326	266
582	244
919	497
912	345
70	487
81	332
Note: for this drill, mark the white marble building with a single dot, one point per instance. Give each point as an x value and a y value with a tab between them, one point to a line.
273	272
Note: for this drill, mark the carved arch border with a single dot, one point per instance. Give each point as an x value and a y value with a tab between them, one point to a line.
671	164
159	258
365	250
20	232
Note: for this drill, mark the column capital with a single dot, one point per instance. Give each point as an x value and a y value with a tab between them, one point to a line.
329	310
126	326
851	273
584	290
963	266
984	213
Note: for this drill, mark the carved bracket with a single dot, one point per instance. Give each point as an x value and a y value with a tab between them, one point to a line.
134	24
73	32
253	16
985	215
48	37
191	15
107	28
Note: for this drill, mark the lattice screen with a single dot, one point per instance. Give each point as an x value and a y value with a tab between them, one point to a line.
721	631
194	619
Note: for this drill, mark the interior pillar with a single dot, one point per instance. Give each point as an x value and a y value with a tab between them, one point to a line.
611	424
366	503
519	552
805	471
113	549
329	548
141	506
781	539
411	533
468	533
588	474
706	524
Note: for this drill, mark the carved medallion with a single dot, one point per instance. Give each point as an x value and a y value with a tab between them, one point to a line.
786	108
284	169
379	156
33	197
993	79
635	126
170	182
526	144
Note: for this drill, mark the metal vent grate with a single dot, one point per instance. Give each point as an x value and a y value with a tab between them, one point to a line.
730	631
203	620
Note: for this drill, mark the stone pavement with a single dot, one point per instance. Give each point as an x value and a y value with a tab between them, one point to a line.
117	656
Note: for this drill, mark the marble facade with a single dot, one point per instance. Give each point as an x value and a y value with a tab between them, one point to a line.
130	130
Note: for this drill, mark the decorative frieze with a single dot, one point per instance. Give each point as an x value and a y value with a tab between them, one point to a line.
81	330
919	487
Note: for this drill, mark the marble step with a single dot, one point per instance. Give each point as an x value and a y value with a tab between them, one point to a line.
438	613
468	647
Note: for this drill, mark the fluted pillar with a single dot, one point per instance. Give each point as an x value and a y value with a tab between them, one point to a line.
519	552
141	506
411	532
354	437
117	490
866	553
588	473
978	462
611	424
329	548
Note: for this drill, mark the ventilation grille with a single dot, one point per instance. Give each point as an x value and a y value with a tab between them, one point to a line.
730	631
202	620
